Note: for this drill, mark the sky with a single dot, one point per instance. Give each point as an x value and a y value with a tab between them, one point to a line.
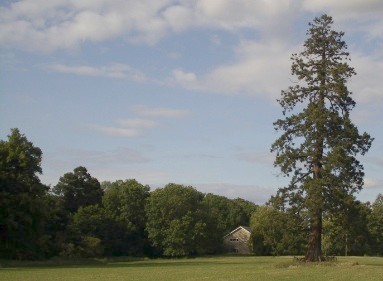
169	91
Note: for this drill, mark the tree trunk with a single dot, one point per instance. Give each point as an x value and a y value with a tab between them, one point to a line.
315	196
314	249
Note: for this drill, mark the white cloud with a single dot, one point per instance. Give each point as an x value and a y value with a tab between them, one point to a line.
262	66
118	132
347	8
134	127
136	123
363	16
159	112
39	25
376	161
367	85
371	183
187	80
262	158
262	69
232	15
179	17
113	70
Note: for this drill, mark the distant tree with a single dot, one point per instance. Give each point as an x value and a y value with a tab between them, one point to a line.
319	144
88	231
176	221
56	225
224	215
105	185
227	213
375	226
124	202
243	209
78	189
23	208
346	233
275	232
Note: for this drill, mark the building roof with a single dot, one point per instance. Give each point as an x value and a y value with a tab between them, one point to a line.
247	228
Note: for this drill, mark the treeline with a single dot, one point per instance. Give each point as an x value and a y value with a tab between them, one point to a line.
356	230
81	217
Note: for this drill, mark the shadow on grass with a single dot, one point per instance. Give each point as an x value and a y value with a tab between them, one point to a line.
343	262
209	261
117	262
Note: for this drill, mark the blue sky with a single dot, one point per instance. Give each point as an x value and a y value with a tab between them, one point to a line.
174	91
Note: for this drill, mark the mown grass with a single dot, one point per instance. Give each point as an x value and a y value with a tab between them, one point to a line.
204	268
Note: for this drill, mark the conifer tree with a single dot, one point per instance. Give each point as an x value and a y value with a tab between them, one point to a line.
319	143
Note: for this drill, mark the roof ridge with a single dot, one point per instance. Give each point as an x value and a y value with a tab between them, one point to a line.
247	228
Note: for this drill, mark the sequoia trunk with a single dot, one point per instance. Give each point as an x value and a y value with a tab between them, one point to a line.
315	196
314	249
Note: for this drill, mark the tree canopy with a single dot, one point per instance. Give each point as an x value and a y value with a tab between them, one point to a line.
124	202
176	224
22	198
78	189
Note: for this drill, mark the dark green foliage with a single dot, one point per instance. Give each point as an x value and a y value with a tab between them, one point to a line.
319	144
124	202
78	189
89	226
176	221
375	226
224	215
115	228
56	225
276	233
22	199
346	233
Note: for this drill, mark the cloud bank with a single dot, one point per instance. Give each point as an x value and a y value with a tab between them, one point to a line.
148	118
261	67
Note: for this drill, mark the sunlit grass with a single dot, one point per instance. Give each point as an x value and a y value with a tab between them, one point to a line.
207	268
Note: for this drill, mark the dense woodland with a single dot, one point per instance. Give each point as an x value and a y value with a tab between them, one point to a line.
81	217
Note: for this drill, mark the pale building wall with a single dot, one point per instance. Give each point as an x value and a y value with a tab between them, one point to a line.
238	241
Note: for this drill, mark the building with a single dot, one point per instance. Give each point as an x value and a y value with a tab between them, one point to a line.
238	241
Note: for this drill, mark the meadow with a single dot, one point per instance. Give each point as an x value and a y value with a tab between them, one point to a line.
204	268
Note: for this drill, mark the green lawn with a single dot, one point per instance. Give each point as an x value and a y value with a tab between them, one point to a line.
210	268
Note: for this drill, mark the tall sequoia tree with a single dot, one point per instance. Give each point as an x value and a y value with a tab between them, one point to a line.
319	143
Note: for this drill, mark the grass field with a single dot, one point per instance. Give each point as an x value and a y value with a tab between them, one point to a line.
207	268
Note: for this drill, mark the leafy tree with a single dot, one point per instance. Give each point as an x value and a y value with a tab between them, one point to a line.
55	226
22	199
346	233
88	231
227	213
375	226
319	144
241	212
124	201
176	221
224	215
78	189
275	232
